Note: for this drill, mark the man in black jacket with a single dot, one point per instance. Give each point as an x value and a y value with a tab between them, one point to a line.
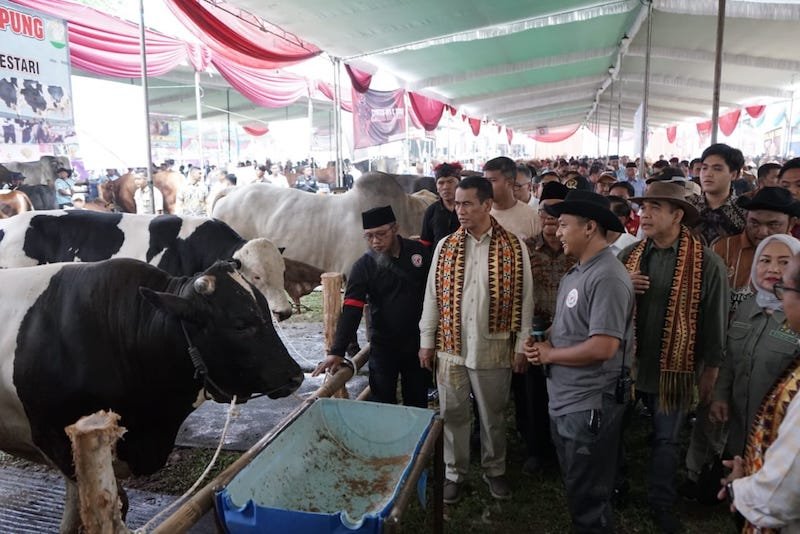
391	277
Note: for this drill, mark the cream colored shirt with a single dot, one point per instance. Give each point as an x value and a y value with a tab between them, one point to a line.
520	219
479	348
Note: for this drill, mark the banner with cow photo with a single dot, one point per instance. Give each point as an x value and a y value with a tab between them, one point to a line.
379	117
35	91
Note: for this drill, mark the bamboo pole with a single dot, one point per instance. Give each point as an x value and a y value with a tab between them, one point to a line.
331	305
93	439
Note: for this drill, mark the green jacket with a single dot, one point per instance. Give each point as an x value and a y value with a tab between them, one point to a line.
760	347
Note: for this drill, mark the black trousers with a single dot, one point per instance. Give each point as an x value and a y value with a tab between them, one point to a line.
587	454
386	364
532	417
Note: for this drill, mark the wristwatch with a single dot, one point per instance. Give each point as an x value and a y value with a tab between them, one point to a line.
729	491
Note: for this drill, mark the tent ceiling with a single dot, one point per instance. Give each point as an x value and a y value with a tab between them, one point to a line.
532	64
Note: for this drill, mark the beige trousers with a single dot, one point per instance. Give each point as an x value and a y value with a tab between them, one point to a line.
491	390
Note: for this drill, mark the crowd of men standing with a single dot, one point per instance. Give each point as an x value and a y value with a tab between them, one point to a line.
581	293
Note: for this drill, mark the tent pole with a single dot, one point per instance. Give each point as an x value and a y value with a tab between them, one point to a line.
642	162
143	56
717	71
408	137
788	144
337	120
610	110
199	113
310	129
619	118
228	114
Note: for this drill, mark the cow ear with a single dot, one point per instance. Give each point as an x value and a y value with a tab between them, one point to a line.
170	304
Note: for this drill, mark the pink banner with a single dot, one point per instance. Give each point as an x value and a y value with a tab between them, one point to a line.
261	86
554	135
475	126
729	121
379	117
509	135
755	111
672	133
428	111
238	35
256	130
327	90
359	79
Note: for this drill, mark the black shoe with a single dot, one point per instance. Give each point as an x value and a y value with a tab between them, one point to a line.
688	490
666	521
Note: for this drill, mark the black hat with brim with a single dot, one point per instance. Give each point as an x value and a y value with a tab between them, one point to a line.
590	205
771	199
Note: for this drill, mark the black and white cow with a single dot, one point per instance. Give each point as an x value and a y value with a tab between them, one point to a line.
78	338
32	92
178	245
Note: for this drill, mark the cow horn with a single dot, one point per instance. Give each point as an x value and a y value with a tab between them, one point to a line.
205	285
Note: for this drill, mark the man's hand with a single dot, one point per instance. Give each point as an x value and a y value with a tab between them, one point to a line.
641	283
706	385
539	354
718	413
331	363
520	363
737	471
426	359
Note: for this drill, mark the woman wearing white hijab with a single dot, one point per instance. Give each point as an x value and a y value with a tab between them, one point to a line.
760	344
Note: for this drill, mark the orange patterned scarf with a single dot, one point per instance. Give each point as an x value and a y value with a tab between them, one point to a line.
765	426
678	338
505	286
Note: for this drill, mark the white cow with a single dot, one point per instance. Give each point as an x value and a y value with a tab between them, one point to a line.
320	230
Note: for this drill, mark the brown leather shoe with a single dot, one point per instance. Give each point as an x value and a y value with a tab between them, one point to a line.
452	492
498	487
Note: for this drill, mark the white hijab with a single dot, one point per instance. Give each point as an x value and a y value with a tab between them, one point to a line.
764	295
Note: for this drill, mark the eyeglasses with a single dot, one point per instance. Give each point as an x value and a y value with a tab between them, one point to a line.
371	236
780	290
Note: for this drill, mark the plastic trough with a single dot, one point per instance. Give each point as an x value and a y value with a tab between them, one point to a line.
337	468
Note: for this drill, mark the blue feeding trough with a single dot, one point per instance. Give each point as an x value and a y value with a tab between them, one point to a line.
338	468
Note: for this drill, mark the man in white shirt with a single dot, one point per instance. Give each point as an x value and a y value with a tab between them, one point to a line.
277	178
143	199
523	187
512	214
473	319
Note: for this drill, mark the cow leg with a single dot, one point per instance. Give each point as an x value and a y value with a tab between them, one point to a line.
71	520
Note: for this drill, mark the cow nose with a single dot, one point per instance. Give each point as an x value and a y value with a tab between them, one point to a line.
283	314
296	381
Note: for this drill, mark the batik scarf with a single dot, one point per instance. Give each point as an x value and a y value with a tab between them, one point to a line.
505	286
765	426
679	335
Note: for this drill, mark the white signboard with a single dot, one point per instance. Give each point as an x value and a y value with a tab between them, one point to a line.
35	92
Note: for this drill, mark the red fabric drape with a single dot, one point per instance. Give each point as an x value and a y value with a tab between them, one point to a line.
509	134
262	87
672	133
453	110
728	122
755	111
359	78
106	45
554	135
238	39
704	128
428	111
475	124
327	90
255	130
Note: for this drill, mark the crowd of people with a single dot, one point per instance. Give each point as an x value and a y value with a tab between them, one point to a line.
585	291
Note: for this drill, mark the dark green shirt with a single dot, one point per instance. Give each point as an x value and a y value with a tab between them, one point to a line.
651	308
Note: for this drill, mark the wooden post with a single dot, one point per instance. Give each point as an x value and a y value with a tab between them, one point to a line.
93	439
331	305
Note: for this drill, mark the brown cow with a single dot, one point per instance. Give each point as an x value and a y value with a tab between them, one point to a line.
14	202
120	192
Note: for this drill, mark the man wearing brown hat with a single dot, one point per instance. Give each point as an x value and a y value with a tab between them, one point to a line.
585	358
771	210
681	316
390	277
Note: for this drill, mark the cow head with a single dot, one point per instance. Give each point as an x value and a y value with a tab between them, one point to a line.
263	266
227	319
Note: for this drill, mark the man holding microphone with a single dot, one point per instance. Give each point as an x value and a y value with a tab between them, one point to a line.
585	358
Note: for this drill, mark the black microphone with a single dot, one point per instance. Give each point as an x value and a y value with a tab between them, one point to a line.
538	329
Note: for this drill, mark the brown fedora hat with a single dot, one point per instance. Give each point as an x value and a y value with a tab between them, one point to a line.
674	193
